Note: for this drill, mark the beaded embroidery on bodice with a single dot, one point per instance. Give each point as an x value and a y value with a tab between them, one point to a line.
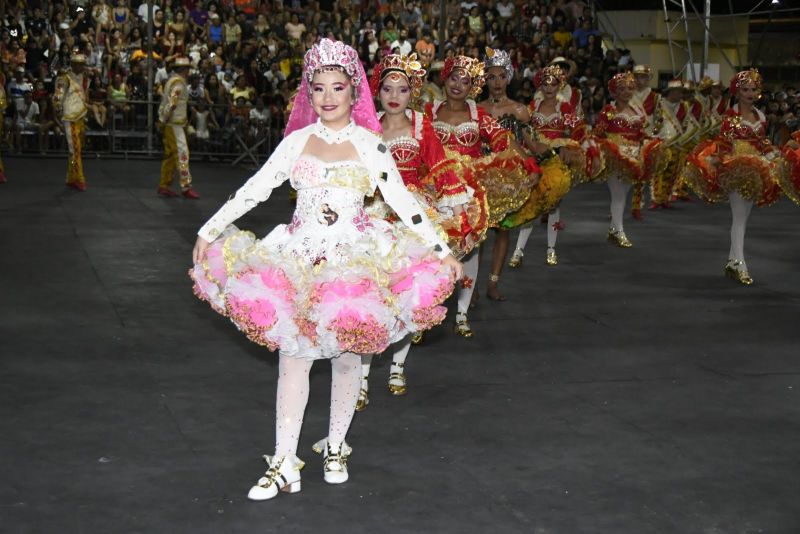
330	205
403	149
466	134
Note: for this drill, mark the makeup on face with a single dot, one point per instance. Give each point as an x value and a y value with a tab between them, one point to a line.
332	96
395	93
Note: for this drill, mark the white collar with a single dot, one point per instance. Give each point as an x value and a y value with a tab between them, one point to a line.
334	137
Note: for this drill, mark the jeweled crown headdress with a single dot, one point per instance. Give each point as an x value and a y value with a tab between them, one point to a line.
548	74
473	67
745	77
335	55
499	58
620	80
406	66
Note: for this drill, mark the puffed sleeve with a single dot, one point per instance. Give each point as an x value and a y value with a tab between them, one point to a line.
256	190
450	190
372	149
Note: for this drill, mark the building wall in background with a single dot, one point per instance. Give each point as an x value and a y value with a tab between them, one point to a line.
644	33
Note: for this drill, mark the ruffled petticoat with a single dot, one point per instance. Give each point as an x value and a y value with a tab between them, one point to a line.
502	177
790	175
584	161
462	232
554	183
316	289
631	161
713	172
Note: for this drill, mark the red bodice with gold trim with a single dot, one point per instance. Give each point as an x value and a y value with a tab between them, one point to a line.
736	128
563	124
466	137
631	127
420	155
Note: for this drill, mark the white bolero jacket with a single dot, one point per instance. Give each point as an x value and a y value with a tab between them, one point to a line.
375	156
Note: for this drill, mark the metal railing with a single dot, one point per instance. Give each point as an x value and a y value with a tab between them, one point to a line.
229	135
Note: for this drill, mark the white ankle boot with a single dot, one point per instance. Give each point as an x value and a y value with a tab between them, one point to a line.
283	474
335	460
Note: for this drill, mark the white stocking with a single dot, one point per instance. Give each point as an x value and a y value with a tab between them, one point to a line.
552	233
524	234
290	405
470	270
619	196
366	363
740	209
399	357
345	383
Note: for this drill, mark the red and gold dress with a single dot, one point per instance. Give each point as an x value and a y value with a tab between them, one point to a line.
716	112
504	176
790	177
629	153
430	176
562	131
740	159
566	131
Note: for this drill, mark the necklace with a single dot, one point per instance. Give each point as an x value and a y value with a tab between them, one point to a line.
498	100
331	136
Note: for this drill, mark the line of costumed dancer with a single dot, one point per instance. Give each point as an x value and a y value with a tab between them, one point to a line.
388	203
456	206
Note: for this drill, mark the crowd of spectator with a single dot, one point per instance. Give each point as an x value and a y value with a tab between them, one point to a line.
247	54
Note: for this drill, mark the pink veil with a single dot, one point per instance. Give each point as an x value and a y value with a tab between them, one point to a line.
363	112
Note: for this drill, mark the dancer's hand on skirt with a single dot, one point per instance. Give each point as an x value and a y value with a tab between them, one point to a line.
456	269
199	252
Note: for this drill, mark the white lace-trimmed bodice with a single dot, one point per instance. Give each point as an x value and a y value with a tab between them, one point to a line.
341	186
329	217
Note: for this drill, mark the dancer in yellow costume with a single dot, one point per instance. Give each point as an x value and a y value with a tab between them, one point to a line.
675	127
649	101
70	103
173	115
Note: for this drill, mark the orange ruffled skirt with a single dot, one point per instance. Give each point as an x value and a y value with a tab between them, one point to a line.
714	170
790	177
631	161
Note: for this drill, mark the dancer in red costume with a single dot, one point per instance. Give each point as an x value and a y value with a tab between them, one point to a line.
506	175
428	174
740	165
567	157
631	156
790	177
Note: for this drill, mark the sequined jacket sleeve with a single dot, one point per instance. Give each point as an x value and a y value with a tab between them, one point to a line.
385	175
497	137
259	187
451	191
